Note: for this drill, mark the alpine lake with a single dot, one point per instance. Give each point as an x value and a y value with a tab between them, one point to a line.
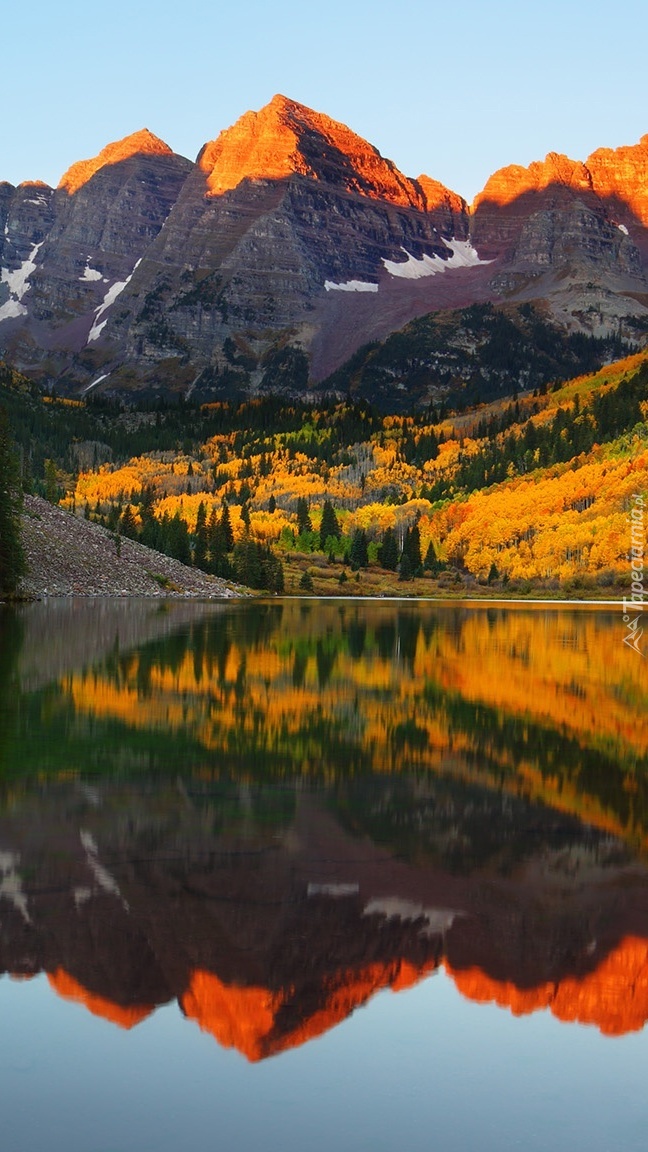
328	875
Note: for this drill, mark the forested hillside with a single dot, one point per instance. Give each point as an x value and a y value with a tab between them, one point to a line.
467	357
519	494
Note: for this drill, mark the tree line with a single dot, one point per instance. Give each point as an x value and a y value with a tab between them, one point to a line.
12	558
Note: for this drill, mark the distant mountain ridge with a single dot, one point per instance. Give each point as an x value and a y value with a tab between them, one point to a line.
290	243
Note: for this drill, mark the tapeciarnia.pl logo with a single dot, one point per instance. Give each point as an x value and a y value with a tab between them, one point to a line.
633	607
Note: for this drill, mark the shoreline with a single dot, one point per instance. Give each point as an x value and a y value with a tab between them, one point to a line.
71	558
243	594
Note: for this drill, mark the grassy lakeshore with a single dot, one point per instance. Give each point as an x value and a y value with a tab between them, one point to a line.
314	575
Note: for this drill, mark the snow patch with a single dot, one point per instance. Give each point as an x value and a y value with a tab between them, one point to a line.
333	890
90	273
463	255
622	228
12	308
18	284
437	921
95	382
350	286
96	330
104	881
11	884
109	299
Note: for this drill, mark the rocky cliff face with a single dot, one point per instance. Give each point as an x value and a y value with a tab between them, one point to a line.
566	231
66	250
286	139
620	178
26	218
290	242
283	209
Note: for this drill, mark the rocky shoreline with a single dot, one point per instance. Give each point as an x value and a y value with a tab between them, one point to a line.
69	556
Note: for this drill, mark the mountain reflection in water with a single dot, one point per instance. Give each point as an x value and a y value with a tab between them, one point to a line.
270	811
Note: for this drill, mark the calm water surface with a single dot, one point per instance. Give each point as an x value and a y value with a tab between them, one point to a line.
341	875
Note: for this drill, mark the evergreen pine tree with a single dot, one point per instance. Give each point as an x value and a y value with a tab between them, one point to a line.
114	516
200	538
12	559
149	533
52	490
178	539
329	525
214	546
218	562
256	565
432	563
163	533
388	551
226	528
405	571
304	523
358	553
412	549
246	563
127	525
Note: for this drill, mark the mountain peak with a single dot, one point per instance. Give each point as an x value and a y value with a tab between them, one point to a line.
509	183
621	174
286	138
438	196
138	143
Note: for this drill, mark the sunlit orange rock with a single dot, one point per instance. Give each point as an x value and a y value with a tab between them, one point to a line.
248	1019
621	174
69	989
34	185
138	143
348	991
438	196
614	997
618	177
285	138
507	184
449	210
236	1017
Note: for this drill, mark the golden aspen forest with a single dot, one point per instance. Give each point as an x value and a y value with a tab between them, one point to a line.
531	492
527	493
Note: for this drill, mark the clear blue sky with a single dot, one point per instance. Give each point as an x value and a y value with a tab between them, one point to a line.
455	90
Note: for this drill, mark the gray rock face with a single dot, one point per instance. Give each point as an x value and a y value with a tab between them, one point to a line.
280	210
556	239
82	239
547	223
556	230
101	230
256	257
26	218
292	237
